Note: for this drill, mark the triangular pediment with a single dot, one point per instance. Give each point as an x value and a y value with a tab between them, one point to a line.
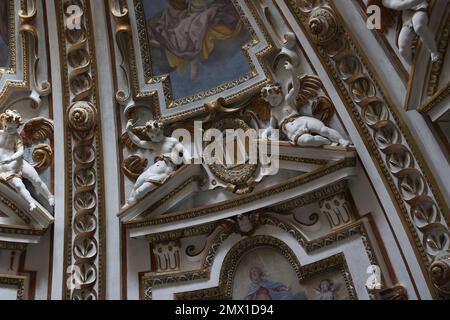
182	201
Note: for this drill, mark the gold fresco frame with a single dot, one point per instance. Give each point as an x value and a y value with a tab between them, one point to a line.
13	28
233	258
148	220
11	69
142	39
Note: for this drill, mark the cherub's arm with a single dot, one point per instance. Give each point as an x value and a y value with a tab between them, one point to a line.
401	4
295	83
19	153
148	145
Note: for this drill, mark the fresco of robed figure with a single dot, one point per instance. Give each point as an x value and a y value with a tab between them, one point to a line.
4	49
265	274
197	42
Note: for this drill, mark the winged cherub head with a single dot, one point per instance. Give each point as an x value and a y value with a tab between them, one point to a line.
273	94
154	130
11	120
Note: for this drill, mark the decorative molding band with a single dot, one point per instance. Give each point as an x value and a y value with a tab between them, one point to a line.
21	231
84	218
312	197
203	229
13	246
13	207
399	161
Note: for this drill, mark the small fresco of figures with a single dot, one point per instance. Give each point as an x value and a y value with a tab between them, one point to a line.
265	274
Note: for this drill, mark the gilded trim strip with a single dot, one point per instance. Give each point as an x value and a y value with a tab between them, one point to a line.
85	216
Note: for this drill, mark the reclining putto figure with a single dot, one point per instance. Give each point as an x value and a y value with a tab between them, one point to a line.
171	152
301	130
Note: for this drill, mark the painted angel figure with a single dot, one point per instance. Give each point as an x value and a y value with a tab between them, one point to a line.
263	288
171	152
414	21
327	290
13	167
301	130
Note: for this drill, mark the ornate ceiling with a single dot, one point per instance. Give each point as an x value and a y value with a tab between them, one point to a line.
117	180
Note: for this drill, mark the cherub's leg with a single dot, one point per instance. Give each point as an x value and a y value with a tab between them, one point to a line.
420	24
18	185
31	175
405	41
143	190
139	182
308	140
334	136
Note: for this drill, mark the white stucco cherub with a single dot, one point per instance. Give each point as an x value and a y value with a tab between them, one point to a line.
13	167
171	154
301	130
415	21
